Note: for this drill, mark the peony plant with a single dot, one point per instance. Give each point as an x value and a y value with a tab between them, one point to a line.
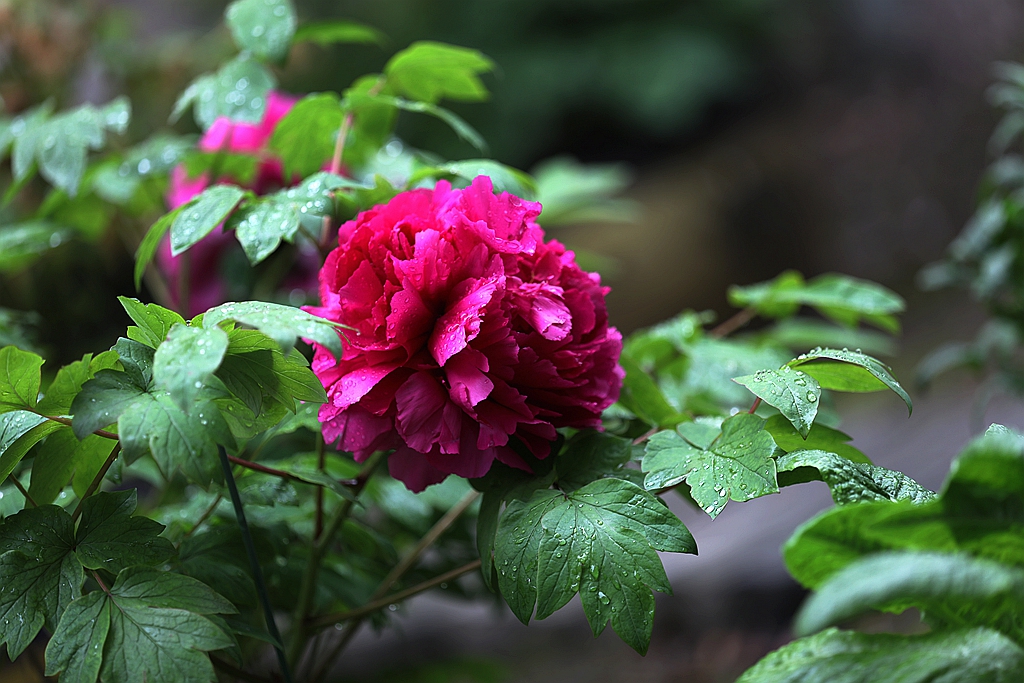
213	487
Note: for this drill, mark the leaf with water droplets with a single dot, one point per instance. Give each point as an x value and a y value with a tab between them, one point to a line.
591	455
306	136
20	430
849	482
184	362
600	541
845	370
201	215
283	324
154	321
819	437
111	536
238	91
792	392
738	465
264	27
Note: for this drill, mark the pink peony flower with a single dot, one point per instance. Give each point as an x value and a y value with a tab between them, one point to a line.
469	331
206	286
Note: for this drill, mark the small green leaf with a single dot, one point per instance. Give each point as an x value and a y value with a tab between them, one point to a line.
154	322
19	378
76	649
201	215
642	397
184	362
264	27
429	72
952	590
849	482
337	31
238	91
791	391
111	538
739	464
854	371
20	430
305	137
283	324
819	438
963	656
151	242
504	178
575	193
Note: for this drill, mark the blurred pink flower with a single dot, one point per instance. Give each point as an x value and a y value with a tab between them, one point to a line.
468	330
206	284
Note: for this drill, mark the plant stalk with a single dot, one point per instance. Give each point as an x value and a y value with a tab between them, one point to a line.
96	481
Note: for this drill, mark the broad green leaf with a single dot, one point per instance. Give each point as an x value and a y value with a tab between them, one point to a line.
39	573
238	91
150	243
22	243
591	455
820	438
738	465
967	656
201	215
156	631
255	368
642	397
791	391
153	321
705	384
849	482
283	324
854	371
62	457
263	27
20	430
599	540
305	137
69	380
953	591
19	378
571	192
337	31
184	362
102	400
373	124
217	558
109	537
429	72
76	649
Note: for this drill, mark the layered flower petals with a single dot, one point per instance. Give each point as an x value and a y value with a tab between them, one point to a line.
471	337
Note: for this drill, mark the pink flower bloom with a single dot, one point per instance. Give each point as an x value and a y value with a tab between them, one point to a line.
206	285
469	331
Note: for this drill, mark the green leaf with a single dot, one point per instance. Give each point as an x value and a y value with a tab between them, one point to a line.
571	192
109	537
801	334
969	656
954	591
20	430
156	631
22	243
283	324
504	178
738	465
39	573
599	540
221	164
217	558
854	371
62	457
591	455
486	530
201	215
238	91
305	137
153	321
792	392
102	401
263	27
118	180
820	438
151	242
642	397
254	368
849	482
69	380
454	121
19	378
429	72
337	31
25	131
373	123
184	362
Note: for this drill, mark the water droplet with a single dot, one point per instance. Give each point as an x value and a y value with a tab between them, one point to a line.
258	31
811	397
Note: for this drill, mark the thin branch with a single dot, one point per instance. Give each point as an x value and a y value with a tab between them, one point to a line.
248	464
21	489
371	607
96	576
254	563
339	147
753	408
67	422
96	481
734	323
205	516
640	439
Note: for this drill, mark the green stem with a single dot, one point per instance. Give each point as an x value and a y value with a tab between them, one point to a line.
318	527
67	422
205	516
21	490
254	563
307	589
96	481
